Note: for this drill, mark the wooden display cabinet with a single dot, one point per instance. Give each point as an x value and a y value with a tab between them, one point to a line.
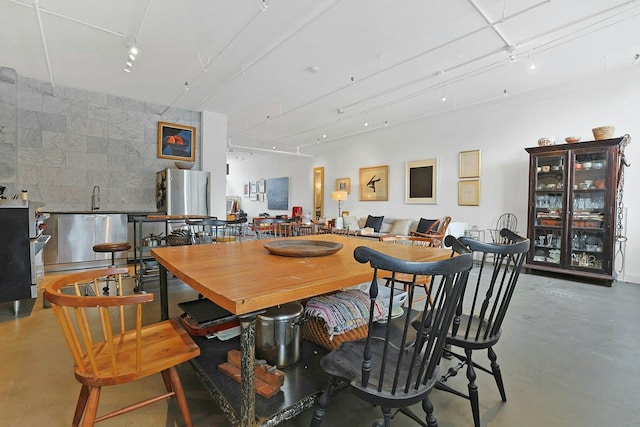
572	208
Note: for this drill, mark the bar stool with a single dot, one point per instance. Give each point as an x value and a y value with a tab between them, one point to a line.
112	247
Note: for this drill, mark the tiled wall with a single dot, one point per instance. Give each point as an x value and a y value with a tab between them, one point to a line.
59	144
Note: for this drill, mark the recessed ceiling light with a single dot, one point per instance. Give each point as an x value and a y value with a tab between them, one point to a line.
127	69
324	135
134	50
132	57
366	124
129	64
532	67
444	98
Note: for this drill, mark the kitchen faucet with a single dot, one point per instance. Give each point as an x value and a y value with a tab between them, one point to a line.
95	198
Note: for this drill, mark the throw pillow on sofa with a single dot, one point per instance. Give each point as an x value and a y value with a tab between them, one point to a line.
351	222
374	222
386	227
401	227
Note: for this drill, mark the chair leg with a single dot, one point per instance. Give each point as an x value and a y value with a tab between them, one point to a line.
427	406
386	412
92	407
497	373
323	402
473	389
176	386
81	405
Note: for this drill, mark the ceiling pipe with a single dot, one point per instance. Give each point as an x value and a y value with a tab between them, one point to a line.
210	62
398	64
267	151
68	18
267	53
491	24
36	8
144	17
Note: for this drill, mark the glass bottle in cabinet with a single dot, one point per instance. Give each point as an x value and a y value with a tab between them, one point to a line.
572	209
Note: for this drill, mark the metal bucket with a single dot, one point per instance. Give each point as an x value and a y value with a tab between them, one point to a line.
279	334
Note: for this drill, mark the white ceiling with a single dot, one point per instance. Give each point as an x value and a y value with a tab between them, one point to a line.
378	61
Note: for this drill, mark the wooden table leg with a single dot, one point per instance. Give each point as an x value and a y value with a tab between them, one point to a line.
247	369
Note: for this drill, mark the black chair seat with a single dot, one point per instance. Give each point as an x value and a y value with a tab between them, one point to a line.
471	334
346	362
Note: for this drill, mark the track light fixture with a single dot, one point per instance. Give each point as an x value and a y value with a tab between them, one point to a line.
132	53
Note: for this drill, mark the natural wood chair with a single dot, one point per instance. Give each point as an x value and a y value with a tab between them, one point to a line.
384	368
110	346
435	234
269	228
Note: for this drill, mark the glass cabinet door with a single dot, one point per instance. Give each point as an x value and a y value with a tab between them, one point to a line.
588	226
549	208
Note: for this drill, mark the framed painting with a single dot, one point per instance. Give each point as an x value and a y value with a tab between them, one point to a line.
176	142
374	183
469	164
278	193
343	184
246	189
469	192
422	182
261	186
254	187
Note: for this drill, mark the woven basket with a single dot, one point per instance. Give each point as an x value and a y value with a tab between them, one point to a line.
315	330
603	132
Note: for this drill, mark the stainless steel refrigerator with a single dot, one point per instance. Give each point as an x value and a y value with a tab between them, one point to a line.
183	192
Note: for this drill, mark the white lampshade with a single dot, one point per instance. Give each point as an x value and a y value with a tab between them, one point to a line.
339	195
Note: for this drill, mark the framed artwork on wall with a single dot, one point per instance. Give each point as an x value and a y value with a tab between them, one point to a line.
278	193
374	183
261	186
176	142
246	189
343	184
469	164
422	182
254	187
469	192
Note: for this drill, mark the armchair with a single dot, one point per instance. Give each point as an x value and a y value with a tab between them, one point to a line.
435	233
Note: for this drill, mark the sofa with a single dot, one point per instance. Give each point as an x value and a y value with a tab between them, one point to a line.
381	225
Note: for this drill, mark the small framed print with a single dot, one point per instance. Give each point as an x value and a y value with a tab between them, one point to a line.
343	184
246	189
177	142
469	165
261	186
374	183
254	187
469	192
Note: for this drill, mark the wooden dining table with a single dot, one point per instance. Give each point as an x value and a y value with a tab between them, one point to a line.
246	279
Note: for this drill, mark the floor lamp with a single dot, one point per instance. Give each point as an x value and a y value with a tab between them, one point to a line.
339	196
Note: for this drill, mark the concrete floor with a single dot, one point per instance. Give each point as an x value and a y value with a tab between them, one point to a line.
569	356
